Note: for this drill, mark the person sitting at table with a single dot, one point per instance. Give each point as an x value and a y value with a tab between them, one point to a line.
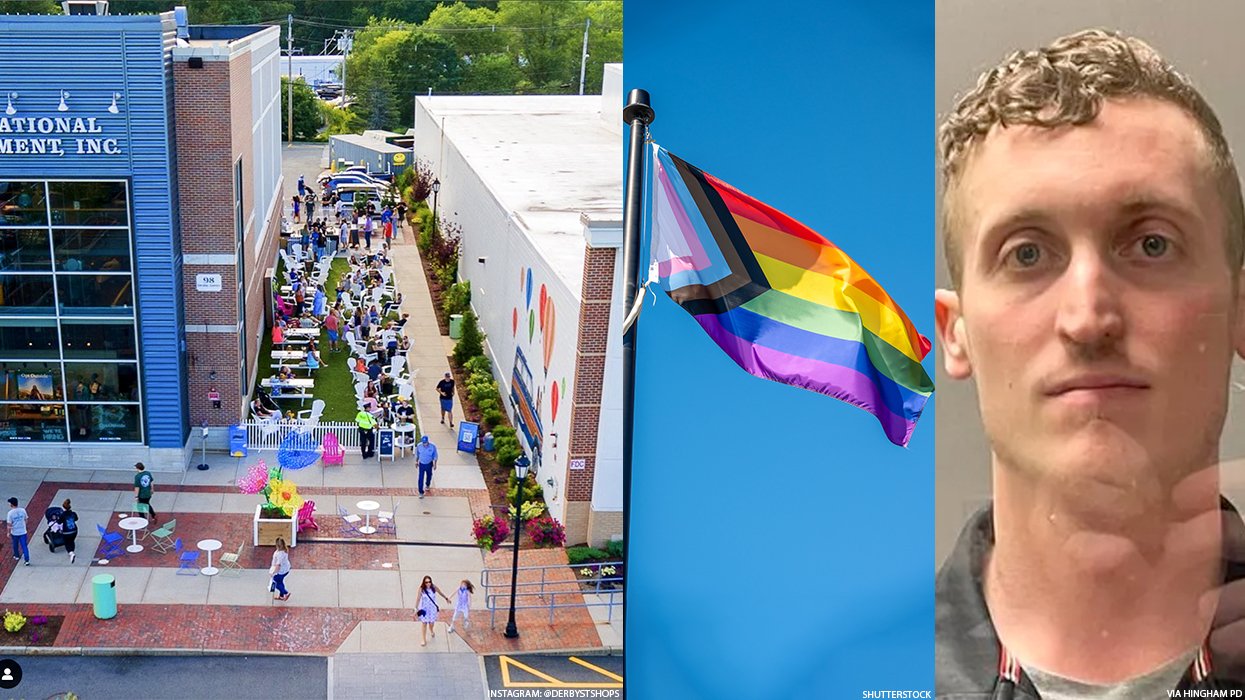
313	357
284	373
386	384
403	412
308	321
278	332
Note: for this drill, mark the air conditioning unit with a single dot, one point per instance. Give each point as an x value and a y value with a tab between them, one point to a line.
98	8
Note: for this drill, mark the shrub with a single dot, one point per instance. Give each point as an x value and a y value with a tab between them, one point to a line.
458	298
479	365
507	455
505	431
507	444
489	403
446	274
471	344
421	180
530	510
14	621
579	555
614	548
491	419
546	532
532	490
490	532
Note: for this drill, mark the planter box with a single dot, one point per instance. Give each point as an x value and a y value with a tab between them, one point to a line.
265	531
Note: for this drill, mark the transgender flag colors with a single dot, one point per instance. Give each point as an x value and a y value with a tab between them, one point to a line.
783	302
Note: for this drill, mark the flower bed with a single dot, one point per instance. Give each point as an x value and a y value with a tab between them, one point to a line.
38	631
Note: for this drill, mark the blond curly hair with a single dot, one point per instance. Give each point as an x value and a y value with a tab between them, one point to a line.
1064	84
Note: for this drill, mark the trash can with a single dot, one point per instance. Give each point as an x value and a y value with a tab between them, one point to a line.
456	326
488	442
104	595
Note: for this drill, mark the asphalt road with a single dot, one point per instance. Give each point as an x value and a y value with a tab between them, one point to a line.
591	676
172	677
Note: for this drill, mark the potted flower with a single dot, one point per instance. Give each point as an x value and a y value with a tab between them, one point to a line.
275	516
546	532
490	532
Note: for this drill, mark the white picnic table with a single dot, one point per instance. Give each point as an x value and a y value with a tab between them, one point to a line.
295	383
307	332
289	354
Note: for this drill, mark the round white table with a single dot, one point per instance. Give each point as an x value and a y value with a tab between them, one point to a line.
133	525
209	546
367	507
404	434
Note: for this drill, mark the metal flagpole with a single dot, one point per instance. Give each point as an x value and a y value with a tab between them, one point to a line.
638	114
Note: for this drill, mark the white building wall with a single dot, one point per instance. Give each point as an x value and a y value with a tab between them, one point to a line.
499	297
265	134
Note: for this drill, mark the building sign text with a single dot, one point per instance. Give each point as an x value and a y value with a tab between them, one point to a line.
40	136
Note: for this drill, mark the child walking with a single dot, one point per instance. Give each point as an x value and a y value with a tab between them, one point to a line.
462	604
280	568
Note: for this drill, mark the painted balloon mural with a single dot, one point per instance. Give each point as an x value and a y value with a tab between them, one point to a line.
553	402
541	323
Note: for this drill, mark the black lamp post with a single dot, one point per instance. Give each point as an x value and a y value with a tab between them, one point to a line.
520	471
436	187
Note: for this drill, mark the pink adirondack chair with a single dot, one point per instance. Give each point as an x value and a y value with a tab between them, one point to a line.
332	452
306	519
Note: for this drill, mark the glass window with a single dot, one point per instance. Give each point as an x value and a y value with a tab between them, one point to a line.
92	249
30	381
101	381
103	339
26	294
28	338
22	204
88	204
95	294
104	423
26	249
31	421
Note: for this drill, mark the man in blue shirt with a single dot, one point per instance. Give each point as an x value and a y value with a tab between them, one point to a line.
426	453
16	520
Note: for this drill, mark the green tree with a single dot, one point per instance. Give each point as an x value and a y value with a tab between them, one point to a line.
491	74
471	344
28	7
307	116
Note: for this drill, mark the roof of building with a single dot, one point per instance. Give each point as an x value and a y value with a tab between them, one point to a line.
548	159
368	142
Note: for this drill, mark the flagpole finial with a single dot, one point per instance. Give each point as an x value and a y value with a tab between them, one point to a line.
638	108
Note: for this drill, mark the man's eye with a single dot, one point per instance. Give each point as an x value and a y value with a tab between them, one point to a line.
1154	246
1025	255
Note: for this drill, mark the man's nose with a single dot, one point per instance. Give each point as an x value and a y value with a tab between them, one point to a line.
1090	312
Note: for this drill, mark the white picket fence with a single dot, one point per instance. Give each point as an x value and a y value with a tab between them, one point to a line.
266	436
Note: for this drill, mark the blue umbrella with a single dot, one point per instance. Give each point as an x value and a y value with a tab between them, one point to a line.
298	450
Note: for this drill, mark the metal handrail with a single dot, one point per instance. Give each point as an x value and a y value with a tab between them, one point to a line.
613	585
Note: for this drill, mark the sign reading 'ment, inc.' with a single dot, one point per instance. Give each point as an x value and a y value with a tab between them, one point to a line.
45	143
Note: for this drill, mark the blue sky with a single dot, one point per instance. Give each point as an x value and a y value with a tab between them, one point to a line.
780	545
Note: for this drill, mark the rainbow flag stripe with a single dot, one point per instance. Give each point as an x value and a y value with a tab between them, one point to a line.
784	303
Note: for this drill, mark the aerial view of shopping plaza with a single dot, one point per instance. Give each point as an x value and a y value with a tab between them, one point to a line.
308	325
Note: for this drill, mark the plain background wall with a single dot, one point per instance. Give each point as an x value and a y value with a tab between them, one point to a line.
1202	40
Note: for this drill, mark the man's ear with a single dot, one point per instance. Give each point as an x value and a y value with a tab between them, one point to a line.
951	333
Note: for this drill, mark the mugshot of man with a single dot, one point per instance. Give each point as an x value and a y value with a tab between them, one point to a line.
1092	220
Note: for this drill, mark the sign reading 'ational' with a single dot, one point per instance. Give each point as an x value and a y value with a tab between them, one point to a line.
54	136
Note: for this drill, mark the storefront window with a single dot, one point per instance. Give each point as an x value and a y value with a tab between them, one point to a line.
100	381
22	204
33	422
24	249
88	204
30	381
99	339
92	250
68	345
24	338
95	294
104	423
26	295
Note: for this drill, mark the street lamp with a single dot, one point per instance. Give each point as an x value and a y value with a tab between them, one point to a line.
520	471
436	187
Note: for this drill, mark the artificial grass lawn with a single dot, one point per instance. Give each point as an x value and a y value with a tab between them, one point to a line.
334	384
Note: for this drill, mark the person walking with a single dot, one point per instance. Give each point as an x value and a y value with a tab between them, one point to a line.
428	609
332	324
297	202
427	454
302	187
16	520
143	482
367	231
367	433
445	389
69	527
462	604
279	570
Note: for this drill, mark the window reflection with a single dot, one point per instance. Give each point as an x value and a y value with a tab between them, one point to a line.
92	249
99	339
22	204
104	423
95	294
28	338
88	204
26	294
33	422
30	381
25	249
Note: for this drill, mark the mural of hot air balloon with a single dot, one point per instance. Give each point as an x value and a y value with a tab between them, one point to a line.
514	322
553	403
547	329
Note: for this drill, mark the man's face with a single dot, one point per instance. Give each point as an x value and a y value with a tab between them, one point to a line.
1096	311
